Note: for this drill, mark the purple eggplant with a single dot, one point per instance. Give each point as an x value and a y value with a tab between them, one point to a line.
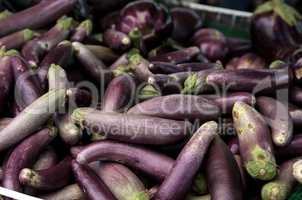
35	49
255	144
46	159
296	115
71	192
293	149
140	67
211	42
47	12
281	187
156	165
18	39
296	95
242	171
185	23
132	128
116	40
277	116
178	107
24	155
178	182
222	172
53	178
90	183
82	31
103	53
6	79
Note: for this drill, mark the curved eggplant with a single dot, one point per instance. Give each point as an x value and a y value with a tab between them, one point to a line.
18	39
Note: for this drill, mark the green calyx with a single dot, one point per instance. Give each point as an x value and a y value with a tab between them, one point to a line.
4	14
135	36
87	25
135	59
12	52
148	92
143	195
191	84
65	23
78	115
2	51
200	184
28	34
276	64
262	164
275	190
122	69
290	15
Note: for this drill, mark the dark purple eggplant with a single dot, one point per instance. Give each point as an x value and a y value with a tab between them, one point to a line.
185	22
151	19
292	150
211	42
18	39
90	183
222	172
53	178
156	165
6	80
178	107
122	182
116	40
296	95
71	192
250	61
31	118
24	155
82	31
275	28
59	55
103	53
35	49
178	182
36	16
119	95
255	143
277	116
46	159
297	167
176	57
5	14
132	128
281	187
296	115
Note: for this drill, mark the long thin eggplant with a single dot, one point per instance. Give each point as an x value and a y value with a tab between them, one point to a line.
91	184
139	129
178	182
222	172
6	80
140	67
18	39
179	107
71	192
46	159
53	178
169	68
281	187
103	53
24	155
31	118
277	116
36	16
156	165
82	31
255	143
35	49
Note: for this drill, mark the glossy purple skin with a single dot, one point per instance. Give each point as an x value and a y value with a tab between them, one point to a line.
27	87
79	35
47	159
119	94
55	177
13	41
6	80
48	11
176	57
151	19
59	55
211	42
116	40
292	150
24	156
91	184
156	165
122	60
185	22
222	172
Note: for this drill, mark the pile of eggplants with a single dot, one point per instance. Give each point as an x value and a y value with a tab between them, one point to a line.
132	100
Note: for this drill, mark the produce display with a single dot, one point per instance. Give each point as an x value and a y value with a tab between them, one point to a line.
140	100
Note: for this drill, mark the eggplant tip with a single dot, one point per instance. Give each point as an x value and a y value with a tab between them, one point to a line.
274	191
29	177
297	170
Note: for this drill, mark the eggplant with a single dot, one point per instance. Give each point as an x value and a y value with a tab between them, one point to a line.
46	159
31	118
18	39
250	61
55	177
275	28
24	155
156	165
6	79
82	31
221	163
139	66
255	144
212	43
178	107
139	129
119	95
148	92
242	171
71	192
35	49
103	53
292	150
185	22
296	170
46	10
178	182
90	183
116	40
296	115
281	187
57	78
122	182
296	95
277	116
